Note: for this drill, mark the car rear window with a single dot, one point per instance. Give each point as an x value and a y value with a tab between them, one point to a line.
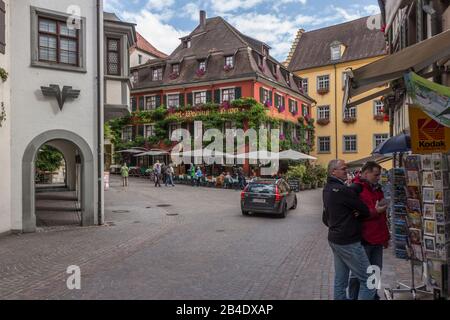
261	188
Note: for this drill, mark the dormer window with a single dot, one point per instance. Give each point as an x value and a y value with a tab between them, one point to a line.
229	61
176	68
336	51
265	51
157	74
187	43
202	65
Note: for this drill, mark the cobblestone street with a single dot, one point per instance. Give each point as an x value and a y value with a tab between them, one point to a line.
199	247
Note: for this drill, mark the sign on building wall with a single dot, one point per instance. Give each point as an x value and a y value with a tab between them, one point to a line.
427	135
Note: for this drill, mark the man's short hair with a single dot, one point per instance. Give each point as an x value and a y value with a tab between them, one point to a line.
333	165
370	166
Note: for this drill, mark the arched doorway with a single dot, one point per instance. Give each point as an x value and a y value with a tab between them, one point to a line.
80	175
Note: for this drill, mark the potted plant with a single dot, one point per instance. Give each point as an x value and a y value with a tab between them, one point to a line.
379	117
349	120
268	103
296	173
200	72
323	121
227	67
281	108
323	90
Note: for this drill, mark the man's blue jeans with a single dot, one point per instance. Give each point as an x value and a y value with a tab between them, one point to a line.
350	257
375	255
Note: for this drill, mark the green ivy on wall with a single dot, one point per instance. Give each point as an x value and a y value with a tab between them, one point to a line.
250	110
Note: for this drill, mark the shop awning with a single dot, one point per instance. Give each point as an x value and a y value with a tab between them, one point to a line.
379	73
377	158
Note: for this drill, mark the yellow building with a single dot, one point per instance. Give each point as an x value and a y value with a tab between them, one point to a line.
321	58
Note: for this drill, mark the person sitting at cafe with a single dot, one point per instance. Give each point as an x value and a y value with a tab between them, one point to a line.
220	180
228	181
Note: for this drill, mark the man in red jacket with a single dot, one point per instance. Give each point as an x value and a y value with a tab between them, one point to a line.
375	232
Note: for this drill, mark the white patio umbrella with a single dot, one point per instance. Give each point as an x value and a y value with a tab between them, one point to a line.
295	155
130	151
154	152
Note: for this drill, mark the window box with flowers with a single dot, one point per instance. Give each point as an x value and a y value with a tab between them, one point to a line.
228	67
379	117
268	103
281	108
226	105
174	75
349	120
323	90
200	72
323	121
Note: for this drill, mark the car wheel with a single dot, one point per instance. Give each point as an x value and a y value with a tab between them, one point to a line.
245	213
284	212
295	203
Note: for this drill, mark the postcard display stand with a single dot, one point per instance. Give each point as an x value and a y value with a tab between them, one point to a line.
421	222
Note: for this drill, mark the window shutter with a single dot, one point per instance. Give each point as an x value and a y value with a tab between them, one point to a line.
237	93
141	103
190	98
165	100
261	95
217	96
209	96
158	101
140	130
133	132
133	104
276	100
271	96
2	26
182	102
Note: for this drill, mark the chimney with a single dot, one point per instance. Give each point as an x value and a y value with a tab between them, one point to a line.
203	19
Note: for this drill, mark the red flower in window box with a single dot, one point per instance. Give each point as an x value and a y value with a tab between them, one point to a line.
226	105
379	117
171	109
386	117
200	72
281	108
323	122
268	103
174	75
228	67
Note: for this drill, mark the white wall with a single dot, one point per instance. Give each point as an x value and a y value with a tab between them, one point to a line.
5	137
114	92
34	114
134	57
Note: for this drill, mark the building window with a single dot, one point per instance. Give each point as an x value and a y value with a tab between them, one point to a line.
324	145
172	128
378	108
173	100
176	68
379	139
57	43
202	65
305	110
127	133
279	100
200	97
227	95
305	85
335	53
188	44
293	106
266	96
323	112
157	74
229	61
113	57
350	144
323	83
149	131
135	77
150	103
350	113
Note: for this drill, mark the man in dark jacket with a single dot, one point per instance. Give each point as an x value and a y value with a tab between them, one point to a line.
343	212
375	232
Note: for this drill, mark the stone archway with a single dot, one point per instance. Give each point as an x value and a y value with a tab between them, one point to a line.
87	183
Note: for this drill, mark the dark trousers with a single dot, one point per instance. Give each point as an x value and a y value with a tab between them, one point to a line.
375	255
157	182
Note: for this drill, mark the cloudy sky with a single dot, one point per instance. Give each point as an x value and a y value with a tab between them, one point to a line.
163	22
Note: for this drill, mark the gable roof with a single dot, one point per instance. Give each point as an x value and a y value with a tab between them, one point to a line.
143	45
313	47
213	42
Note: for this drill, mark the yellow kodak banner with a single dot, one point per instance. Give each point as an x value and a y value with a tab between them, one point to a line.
427	135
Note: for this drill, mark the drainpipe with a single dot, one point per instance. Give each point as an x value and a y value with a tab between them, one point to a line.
99	116
335	112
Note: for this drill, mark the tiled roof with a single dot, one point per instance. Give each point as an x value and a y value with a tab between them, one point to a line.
313	48
144	45
214	42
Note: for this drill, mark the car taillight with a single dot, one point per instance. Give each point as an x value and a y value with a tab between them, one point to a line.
278	197
243	193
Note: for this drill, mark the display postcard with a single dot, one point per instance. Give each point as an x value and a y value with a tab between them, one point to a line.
429	243
445	179
440	229
440	239
413	205
440	251
428	195
438	195
428	211
434	274
429	227
426	162
437	161
413	193
412	163
415	236
427	179
413	179
438	207
414	220
447	197
440	217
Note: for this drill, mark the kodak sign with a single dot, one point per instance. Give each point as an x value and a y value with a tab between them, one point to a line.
427	135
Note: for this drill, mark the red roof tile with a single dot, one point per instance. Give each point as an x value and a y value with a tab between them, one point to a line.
144	45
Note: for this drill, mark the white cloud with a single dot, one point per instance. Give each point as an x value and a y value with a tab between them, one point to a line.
159	5
191	11
220	6
163	36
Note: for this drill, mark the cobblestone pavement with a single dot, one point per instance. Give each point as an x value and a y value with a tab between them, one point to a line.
199	247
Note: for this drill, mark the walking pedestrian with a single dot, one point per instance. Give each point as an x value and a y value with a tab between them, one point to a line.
342	214
375	231
169	175
124	171
198	176
192	174
157	169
